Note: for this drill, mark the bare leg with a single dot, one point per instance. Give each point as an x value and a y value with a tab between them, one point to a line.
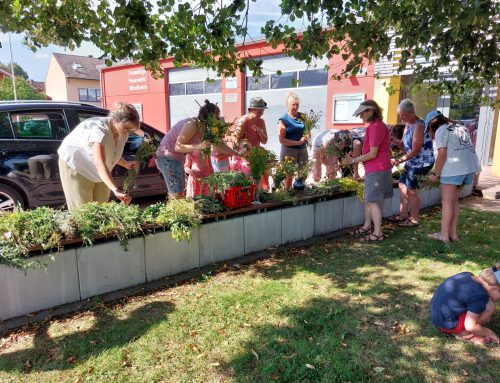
454	221
449	197
404	204
368	217
485	316
376	215
414	202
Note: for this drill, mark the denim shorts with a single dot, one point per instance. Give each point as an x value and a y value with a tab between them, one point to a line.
173	173
463	179
409	176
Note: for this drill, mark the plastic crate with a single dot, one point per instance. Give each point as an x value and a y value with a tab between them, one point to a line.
237	196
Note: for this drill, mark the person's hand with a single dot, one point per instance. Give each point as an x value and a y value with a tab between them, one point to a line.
395	141
433	178
394	162
123	197
204	145
348	160
303	140
132	164
243	152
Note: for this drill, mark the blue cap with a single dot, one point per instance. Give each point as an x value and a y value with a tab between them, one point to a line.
430	116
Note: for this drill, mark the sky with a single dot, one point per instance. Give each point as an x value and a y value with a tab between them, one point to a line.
37	63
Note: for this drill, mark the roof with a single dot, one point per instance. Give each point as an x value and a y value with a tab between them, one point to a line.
38	85
84	67
4	73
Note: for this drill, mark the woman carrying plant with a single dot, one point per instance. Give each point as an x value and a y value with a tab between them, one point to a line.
456	163
291	135
419	159
89	153
184	137
376	159
251	128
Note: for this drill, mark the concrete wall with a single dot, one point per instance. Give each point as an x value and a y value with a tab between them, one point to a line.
81	273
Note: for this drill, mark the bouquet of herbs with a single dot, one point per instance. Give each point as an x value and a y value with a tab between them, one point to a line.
208	204
260	161
425	183
144	152
311	121
214	132
334	150
302	172
281	170
180	215
220	181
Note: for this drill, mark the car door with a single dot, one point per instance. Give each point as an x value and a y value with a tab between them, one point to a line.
31	156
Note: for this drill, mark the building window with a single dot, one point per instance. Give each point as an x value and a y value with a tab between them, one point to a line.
314	77
195	87
344	106
257	83
178	89
90	94
284	80
214	86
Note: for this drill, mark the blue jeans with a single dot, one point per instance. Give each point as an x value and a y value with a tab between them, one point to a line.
173	173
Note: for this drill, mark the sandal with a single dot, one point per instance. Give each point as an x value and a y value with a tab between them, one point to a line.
437	237
372	238
408	223
397	218
362	231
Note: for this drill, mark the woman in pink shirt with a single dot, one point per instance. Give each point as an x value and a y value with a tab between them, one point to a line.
252	128
376	158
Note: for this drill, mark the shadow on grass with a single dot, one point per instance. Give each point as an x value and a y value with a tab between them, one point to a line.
340	340
108	332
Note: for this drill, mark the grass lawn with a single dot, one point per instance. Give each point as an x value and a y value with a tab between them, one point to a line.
336	311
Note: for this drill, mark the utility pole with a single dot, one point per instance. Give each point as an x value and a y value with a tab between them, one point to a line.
12	71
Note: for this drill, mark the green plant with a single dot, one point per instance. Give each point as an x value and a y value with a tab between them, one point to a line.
24	230
425	183
150	213
180	215
281	170
328	186
260	161
311	122
302	172
208	204
147	148
219	181
110	218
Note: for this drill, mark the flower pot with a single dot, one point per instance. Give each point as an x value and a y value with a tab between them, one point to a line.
299	184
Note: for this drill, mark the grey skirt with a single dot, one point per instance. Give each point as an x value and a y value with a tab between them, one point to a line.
299	155
378	186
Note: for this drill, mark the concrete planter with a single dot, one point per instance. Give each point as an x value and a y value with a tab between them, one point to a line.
262	230
107	267
354	212
297	223
165	256
424	198
328	216
434	196
26	292
220	241
465	191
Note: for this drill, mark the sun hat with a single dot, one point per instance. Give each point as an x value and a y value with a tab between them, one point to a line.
257	103
362	108
430	116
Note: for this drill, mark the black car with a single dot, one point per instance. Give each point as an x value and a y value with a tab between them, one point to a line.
30	134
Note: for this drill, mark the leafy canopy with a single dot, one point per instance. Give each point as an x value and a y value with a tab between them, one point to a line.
18	70
24	90
460	35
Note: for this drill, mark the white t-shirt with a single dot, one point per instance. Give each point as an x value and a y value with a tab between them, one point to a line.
77	152
323	138
461	157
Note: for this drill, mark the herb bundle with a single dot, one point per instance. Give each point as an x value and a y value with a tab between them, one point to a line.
260	161
311	121
281	170
147	149
214	132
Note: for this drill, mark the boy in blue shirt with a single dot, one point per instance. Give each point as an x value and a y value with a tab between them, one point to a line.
464	303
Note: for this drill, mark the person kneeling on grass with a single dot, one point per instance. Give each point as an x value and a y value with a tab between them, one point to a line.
464	303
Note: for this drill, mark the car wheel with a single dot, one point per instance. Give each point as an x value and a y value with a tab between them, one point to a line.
9	198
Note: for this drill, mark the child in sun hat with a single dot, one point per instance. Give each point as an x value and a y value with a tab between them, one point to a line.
464	303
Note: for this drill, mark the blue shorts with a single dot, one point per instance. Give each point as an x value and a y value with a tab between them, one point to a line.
409	176
173	173
463	179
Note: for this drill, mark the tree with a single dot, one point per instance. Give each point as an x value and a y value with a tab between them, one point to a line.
459	35
18	70
24	90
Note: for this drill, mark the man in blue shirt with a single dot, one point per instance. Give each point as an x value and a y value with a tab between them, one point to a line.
464	303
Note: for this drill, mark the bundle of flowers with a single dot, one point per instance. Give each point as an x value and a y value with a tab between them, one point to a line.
311	122
260	160
281	170
144	152
216	130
